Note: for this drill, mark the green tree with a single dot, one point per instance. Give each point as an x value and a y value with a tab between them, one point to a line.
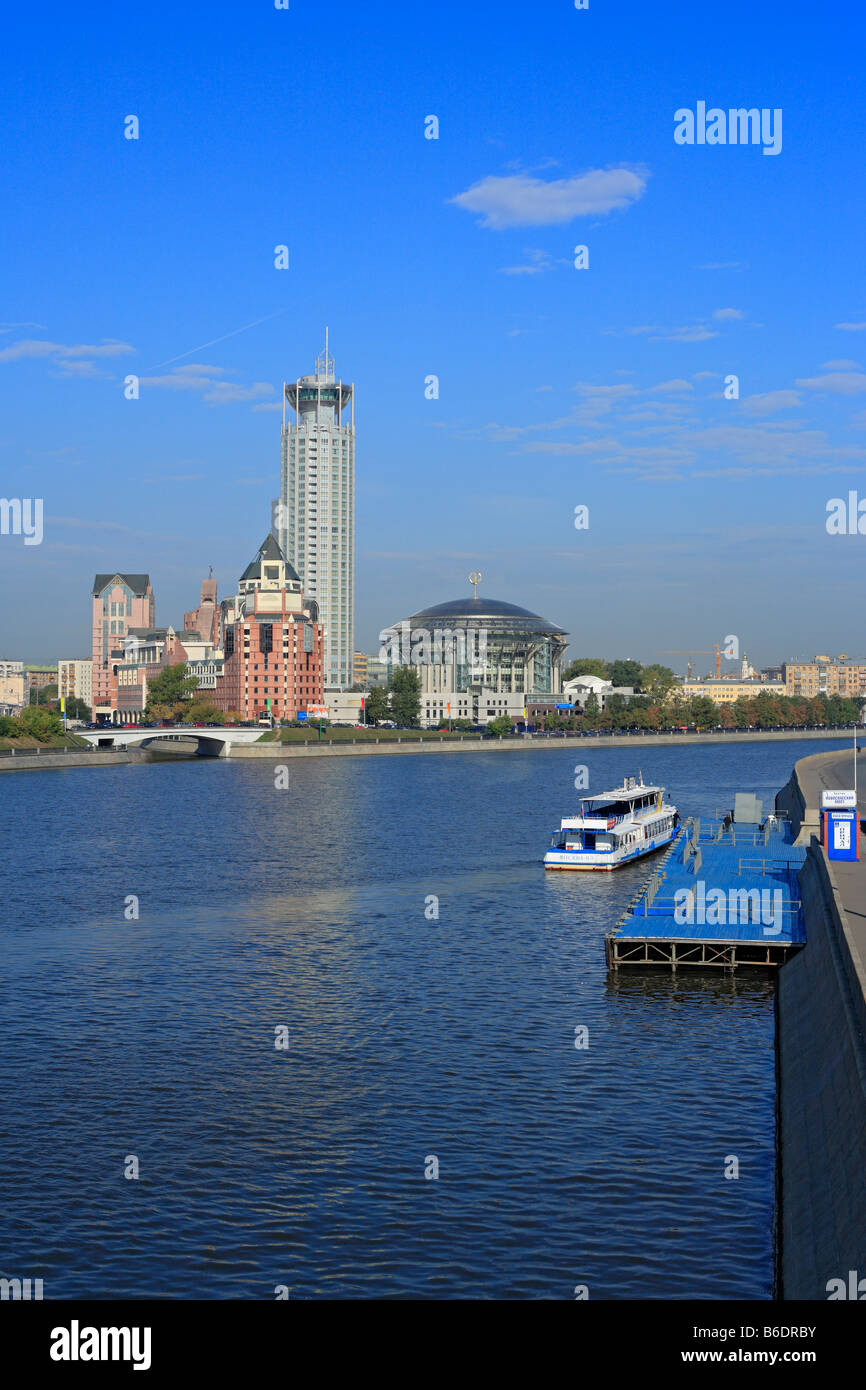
585	666
676	710
39	723
616	709
842	711
157	713
200	711
376	705
625	673
405	688
657	681
502	725
170	687
77	708
44	696
703	712
591	711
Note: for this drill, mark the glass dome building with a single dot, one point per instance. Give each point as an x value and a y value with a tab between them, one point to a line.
475	644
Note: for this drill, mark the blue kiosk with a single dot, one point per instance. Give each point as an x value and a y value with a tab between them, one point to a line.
841	828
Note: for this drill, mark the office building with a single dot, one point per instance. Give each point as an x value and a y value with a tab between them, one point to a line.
75	679
314	522
825	676
120	602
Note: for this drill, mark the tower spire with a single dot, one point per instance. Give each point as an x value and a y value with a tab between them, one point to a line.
324	362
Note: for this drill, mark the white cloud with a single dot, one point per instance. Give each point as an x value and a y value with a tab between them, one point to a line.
521	201
81	368
691	333
725	314
591	388
838	383
667	386
843	364
539	262
630	332
39	347
207	381
851	327
769	402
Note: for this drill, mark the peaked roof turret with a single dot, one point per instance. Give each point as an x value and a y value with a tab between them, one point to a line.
270	549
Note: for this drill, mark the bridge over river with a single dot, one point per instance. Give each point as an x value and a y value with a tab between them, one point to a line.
212	743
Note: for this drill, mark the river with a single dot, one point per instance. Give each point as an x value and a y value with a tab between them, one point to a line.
306	915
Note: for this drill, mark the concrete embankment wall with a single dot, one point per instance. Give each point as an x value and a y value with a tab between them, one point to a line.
507	744
54	758
821	1066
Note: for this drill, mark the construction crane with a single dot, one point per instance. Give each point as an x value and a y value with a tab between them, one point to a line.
716	650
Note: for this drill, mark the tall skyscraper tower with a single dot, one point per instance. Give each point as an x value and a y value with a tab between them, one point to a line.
315	521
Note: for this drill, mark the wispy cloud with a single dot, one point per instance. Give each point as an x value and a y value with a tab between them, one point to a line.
63	353
725	314
851	327
631	332
768	402
517	200
665	387
208	382
690	333
837	383
686	333
539	262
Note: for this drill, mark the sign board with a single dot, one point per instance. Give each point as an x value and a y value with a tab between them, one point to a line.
301	716
841	834
317	711
565	706
838	800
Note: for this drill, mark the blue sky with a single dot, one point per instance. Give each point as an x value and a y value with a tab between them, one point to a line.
452	257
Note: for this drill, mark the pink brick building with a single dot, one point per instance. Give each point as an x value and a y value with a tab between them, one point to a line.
272	642
120	602
205	618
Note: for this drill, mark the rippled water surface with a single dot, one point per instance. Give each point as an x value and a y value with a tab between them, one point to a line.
409	1038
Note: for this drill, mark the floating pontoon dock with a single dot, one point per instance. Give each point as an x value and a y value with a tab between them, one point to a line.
725	895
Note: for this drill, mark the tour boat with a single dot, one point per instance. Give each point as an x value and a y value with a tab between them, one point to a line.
614	828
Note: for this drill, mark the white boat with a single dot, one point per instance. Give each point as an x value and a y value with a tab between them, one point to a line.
614	828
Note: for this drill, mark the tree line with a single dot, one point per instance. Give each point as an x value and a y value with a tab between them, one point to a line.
763	711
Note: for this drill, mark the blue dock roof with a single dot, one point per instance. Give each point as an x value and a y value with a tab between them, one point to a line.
739	876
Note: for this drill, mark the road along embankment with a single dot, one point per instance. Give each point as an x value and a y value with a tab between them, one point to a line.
821	1059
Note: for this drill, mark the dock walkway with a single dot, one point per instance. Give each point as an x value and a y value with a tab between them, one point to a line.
725	895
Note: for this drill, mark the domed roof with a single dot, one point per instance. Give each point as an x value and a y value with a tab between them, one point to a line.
481	610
